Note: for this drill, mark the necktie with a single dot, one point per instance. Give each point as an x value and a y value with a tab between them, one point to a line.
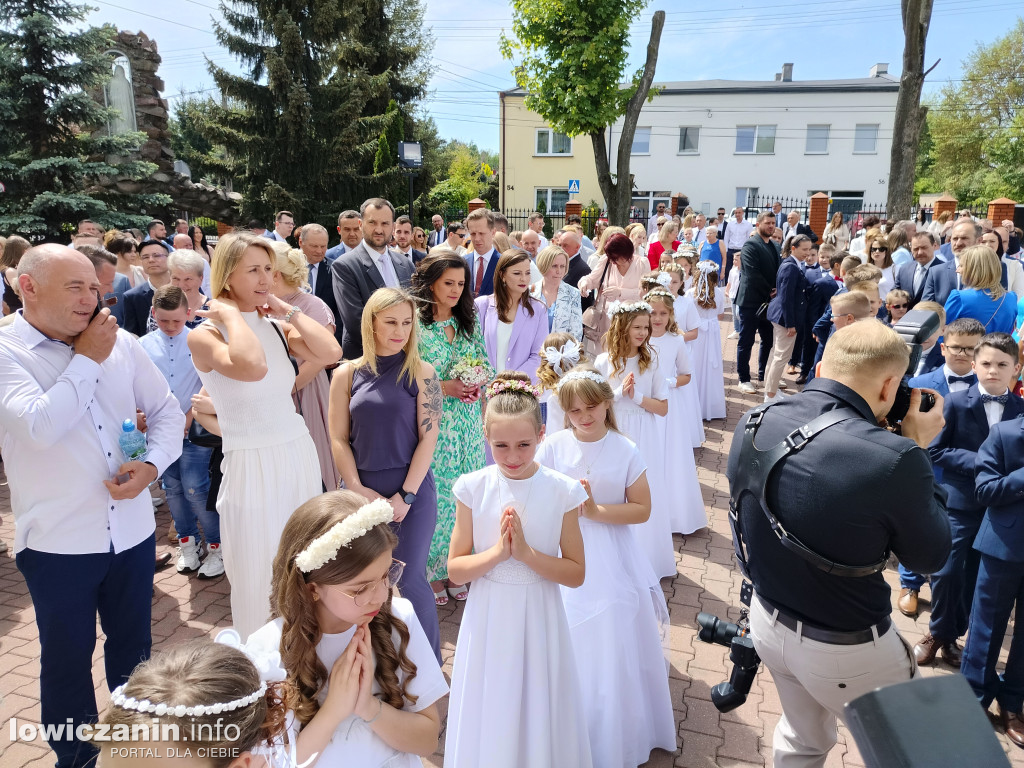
312	275
1001	399
479	274
919	277
962	379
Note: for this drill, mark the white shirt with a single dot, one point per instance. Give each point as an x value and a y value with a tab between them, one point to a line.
954	386
171	356
737	233
60	418
476	262
504	338
993	411
313	270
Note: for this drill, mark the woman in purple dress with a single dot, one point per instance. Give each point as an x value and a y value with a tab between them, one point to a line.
385	415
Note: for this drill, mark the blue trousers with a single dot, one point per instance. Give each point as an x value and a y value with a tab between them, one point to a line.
414	535
187	484
67	592
911	579
751	324
1000	587
953	584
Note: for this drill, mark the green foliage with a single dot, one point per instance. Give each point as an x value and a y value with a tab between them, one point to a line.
976	127
53	147
205	160
461	179
391	183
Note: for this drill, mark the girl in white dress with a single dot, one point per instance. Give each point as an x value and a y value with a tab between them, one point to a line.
515	693
362	680
707	352
270	462
687	513
689	326
618	616
561	351
641	404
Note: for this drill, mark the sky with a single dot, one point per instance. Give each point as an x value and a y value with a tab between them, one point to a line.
730	39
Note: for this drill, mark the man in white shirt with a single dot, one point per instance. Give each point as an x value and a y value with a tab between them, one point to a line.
700	235
536	223
483	257
284	223
456	238
84	528
736	234
652	223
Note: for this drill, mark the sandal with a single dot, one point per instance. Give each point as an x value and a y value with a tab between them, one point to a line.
459	592
440	598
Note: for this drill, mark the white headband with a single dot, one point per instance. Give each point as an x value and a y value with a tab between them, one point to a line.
618	307
664	279
325	548
577	375
569	353
118	699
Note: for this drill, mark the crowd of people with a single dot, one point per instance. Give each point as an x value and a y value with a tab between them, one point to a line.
329	423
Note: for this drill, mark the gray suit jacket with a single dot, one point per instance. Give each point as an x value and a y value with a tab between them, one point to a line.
355	278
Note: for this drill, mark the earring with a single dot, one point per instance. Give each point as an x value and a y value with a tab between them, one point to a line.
315	597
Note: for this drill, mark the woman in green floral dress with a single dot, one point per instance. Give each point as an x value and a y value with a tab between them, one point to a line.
450	334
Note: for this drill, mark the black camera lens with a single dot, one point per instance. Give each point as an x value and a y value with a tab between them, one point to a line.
714	630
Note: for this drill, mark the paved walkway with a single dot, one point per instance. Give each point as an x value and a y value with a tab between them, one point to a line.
708	580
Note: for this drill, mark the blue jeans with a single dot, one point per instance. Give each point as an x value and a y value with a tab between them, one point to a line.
911	579
187	483
67	592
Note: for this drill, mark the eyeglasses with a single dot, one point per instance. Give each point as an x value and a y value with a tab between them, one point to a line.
897	306
881	248
965	351
363	595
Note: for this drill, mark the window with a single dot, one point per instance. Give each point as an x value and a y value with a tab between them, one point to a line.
746	197
645	203
817	140
641	142
755	139
551	142
554	199
865	138
689	140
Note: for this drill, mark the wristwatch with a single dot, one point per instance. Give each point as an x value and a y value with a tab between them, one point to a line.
407	496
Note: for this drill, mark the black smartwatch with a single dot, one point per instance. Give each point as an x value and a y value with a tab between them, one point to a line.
408	497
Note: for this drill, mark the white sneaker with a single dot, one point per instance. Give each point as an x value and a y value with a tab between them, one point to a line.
733	335
188	554
777	398
783	385
747	388
213	565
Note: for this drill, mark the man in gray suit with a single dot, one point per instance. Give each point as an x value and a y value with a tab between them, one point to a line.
367	267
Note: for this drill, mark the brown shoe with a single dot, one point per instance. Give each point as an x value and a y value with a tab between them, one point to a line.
1013	724
951	653
172	533
925	650
908	602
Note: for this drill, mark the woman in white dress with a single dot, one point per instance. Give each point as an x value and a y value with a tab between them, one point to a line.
687	513
515	697
689	326
618	617
641	403
707	350
270	463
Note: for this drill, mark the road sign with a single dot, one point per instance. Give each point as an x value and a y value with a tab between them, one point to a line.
574	186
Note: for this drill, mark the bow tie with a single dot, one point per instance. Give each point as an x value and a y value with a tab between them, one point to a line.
1001	399
965	379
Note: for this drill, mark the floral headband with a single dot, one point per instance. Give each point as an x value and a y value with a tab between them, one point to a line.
578	375
659	293
145	706
620	307
498	386
664	279
325	548
568	353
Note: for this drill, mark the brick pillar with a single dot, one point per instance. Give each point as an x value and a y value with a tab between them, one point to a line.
573	207
945	204
818	214
1001	209
223	229
475	204
673	206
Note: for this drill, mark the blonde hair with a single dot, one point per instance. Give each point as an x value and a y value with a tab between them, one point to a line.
382	300
851	303
229	252
981	269
933	306
547	257
546	374
590	392
619	348
635	226
608	232
501	242
867	349
512	403
662	296
291	264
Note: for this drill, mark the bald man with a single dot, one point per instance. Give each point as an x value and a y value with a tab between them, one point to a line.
85	544
313	244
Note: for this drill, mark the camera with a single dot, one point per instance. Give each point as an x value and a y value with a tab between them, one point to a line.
914	328
745	661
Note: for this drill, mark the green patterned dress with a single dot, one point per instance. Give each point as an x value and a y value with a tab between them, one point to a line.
460	444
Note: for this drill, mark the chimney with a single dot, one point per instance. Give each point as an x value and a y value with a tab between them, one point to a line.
879	69
787	73
778	77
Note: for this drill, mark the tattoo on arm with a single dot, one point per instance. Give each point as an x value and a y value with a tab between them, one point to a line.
432	398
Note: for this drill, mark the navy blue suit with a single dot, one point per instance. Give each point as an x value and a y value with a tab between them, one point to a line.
903	279
820	290
955	450
1000	542
943	280
789	306
324	289
487	286
138	303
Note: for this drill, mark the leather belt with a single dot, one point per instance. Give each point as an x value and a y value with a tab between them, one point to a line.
830	636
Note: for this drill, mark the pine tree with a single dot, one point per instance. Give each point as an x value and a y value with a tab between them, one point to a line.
385	165
55	159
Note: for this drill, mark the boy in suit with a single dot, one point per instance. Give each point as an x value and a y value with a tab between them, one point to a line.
786	311
969	416
1000	585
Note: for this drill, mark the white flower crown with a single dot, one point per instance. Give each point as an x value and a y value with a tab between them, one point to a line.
118	699
664	279
660	293
619	307
577	375
325	548
707	266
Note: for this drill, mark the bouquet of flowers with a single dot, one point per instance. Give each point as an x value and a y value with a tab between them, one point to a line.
471	371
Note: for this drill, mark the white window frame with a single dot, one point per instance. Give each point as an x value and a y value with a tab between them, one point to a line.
551	143
758	131
632	149
827	128
546	191
856	138
696	148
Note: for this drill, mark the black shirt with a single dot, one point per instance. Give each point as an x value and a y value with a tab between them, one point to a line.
853	492
760	266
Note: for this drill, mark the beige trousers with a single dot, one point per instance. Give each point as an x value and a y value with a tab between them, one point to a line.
782	350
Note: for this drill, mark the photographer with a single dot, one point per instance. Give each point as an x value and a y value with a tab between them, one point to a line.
851	494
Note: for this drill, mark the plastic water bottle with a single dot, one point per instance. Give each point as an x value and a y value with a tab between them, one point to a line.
132	442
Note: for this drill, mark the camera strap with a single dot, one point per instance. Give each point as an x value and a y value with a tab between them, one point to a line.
761	464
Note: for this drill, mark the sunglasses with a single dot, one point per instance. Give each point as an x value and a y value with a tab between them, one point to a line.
897	306
881	249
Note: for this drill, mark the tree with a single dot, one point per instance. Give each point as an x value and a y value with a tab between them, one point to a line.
191	145
573	59
460	183
385	163
976	126
56	161
910	115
